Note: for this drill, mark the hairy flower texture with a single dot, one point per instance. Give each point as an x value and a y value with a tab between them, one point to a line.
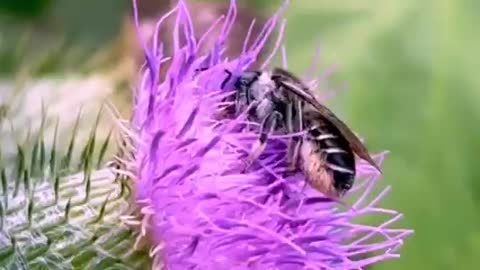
199	211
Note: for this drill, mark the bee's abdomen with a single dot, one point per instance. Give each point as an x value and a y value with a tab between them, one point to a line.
339	157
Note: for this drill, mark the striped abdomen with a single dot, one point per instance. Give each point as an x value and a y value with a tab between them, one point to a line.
334	154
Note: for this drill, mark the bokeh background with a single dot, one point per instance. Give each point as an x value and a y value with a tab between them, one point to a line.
407	71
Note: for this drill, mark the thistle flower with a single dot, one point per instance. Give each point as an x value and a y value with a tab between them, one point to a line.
198	211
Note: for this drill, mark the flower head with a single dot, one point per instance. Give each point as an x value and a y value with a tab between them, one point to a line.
201	213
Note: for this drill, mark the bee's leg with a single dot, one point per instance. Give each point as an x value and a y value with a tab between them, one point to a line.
299	122
294	148
268	125
291	141
293	124
238	101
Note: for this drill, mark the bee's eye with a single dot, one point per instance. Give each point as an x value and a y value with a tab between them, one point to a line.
240	83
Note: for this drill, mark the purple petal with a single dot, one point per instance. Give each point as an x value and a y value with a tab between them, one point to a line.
196	204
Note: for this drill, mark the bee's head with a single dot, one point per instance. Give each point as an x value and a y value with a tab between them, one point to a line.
254	80
246	79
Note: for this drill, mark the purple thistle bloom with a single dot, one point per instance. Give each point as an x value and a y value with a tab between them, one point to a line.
198	212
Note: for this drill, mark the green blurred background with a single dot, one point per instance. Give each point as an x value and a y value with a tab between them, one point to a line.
413	88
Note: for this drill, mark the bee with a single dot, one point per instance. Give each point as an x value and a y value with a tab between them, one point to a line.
280	102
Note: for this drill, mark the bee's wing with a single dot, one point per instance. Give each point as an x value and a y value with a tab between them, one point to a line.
357	146
297	87
287	75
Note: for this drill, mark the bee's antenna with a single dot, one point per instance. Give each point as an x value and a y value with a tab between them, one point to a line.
229	76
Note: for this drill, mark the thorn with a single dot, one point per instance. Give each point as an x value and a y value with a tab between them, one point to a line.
20	171
68	156
26	181
2	215
33	161
67	209
87	187
30	211
53	159
39	148
104	148
87	156
3	176
42	158
56	188
122	189
20	168
101	213
83	157
125	189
